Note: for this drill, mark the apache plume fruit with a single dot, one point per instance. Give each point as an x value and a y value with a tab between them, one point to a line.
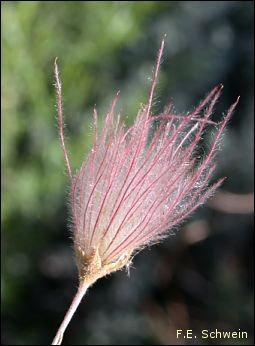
136	184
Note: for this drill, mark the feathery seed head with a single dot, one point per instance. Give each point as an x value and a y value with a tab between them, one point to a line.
138	183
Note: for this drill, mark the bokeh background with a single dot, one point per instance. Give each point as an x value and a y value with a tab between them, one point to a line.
199	279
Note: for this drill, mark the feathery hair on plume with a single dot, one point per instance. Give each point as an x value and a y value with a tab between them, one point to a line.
134	186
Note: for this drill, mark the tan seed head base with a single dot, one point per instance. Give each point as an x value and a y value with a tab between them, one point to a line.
91	268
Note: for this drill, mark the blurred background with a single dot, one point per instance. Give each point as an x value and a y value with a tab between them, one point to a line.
199	279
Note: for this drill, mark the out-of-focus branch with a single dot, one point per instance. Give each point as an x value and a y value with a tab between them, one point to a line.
228	202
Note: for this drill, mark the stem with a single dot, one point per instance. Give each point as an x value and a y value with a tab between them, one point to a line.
75	303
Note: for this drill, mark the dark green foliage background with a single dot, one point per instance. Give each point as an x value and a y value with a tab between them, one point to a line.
104	47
